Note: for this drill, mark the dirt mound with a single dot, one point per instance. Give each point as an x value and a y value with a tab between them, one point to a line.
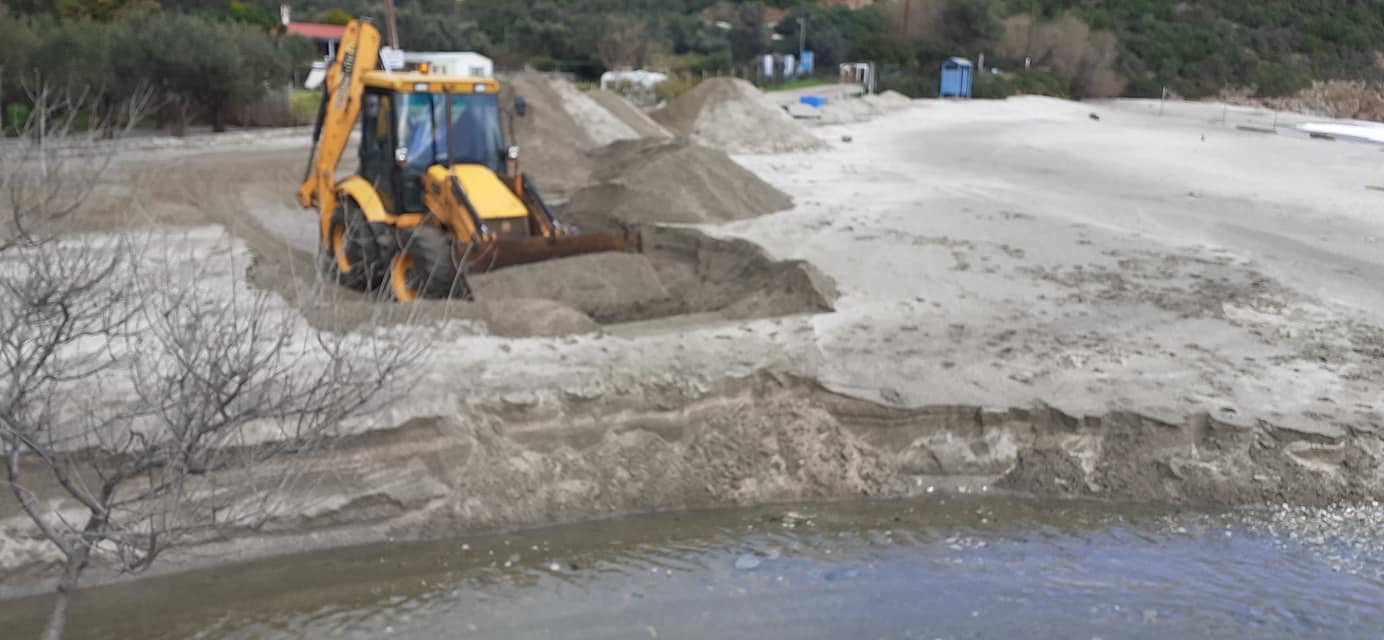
607	286
861	108
632	116
732	277
670	181
847	110
552	143
601	124
889	100
732	115
679	272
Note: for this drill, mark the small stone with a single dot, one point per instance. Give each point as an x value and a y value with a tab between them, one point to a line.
520	399
748	562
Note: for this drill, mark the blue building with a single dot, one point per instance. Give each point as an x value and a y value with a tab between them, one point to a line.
957	74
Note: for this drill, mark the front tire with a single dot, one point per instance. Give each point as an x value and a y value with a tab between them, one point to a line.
352	256
426	267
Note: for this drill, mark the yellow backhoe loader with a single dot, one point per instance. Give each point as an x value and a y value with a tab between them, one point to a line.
438	192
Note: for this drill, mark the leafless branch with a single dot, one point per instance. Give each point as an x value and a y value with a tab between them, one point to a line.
143	386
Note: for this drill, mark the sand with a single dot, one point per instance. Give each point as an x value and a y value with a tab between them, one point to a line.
732	115
552	143
850	109
606	286
603	126
632	116
1135	308
564	123
669	181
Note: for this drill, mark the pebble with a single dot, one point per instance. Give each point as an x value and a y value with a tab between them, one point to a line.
747	562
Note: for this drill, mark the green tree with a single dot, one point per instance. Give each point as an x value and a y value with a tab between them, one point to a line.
203	66
971	22
335	16
250	14
748	35
105	10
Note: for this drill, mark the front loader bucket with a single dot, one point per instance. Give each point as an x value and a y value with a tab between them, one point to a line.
510	252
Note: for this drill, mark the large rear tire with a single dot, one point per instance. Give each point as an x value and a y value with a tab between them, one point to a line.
426	267
352	257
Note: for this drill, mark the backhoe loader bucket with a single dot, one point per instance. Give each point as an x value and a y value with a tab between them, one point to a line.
510	252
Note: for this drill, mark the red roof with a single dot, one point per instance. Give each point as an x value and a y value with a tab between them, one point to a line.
316	31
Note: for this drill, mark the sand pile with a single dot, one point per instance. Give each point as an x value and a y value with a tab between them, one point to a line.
732	115
606	286
669	181
846	110
889	100
632	116
860	109
601	125
552	143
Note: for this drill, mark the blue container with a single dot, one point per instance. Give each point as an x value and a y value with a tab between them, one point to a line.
957	74
813	101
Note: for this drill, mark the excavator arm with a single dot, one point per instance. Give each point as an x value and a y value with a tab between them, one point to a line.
358	53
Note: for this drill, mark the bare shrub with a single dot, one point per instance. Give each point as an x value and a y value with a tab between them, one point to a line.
623	44
273	109
916	20
142	388
1081	58
1016	43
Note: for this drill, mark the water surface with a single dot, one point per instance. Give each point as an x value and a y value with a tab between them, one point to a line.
935	568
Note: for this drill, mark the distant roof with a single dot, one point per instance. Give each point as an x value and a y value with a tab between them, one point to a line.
960	61
316	31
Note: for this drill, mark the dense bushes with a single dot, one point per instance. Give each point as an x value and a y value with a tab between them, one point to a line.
1198	48
195	67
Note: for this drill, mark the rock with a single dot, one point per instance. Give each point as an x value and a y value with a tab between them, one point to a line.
747	562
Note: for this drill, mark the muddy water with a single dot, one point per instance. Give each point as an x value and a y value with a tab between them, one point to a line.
937	568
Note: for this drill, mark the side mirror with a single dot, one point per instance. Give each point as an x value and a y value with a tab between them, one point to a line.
521	106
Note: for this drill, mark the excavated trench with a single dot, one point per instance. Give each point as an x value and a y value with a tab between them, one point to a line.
679	272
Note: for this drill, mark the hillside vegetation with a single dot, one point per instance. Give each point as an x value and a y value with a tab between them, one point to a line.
1075	48
1198	48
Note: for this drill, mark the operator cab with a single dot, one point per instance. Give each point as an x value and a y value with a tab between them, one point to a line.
412	121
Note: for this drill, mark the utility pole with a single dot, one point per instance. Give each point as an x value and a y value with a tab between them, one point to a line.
802	37
907	8
393	27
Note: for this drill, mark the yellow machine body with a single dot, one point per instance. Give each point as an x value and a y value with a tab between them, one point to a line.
436	178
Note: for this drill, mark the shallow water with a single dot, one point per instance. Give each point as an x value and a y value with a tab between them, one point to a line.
936	568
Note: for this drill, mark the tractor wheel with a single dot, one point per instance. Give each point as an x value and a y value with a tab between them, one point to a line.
425	267
352	257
